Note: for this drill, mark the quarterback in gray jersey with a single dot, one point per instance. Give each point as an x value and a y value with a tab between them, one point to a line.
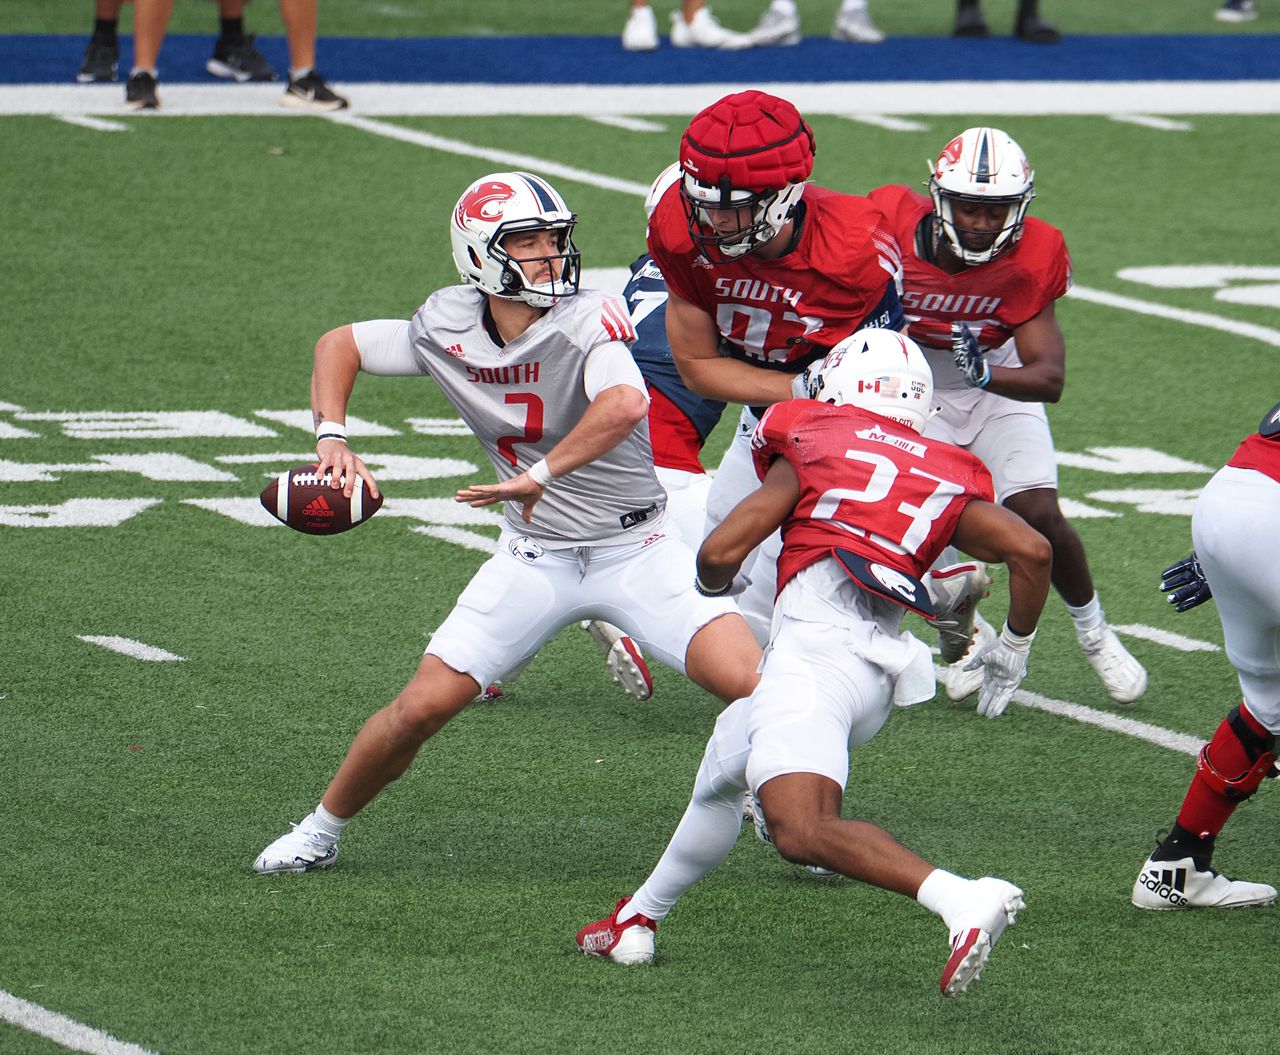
543	377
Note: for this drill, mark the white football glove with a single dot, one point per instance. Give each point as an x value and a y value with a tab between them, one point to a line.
1004	664
805	383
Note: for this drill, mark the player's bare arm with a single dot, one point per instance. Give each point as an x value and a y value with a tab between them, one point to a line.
695	347
748	524
333	376
610	419
1043	352
994	534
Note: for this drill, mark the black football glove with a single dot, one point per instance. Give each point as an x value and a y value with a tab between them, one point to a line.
805	383
1185	584
970	360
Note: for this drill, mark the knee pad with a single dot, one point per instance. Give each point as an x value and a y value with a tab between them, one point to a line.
1238	758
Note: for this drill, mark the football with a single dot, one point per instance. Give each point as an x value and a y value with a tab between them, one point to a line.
308	503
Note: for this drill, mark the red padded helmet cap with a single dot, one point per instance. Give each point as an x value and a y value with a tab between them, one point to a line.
748	141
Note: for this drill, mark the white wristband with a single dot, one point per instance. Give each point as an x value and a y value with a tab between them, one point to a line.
331	430
540	473
1017	642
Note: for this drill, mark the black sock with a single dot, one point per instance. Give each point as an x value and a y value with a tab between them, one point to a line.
104	30
1028	11
1181	843
232	31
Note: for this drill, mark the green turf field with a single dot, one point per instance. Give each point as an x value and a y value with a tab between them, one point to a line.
188	266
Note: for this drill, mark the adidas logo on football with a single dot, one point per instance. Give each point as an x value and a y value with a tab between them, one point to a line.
318	507
1167	883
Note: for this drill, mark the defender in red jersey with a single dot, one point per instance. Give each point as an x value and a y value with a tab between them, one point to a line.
980	280
765	274
865	504
1236	560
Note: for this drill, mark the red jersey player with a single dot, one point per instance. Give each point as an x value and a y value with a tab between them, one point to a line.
764	273
979	285
865	504
1237	560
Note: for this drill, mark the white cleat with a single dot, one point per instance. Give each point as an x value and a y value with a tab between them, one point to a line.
631	942
995	905
705	32
641	31
854	26
1121	674
775	27
961	683
955	592
623	657
301	850
1165	885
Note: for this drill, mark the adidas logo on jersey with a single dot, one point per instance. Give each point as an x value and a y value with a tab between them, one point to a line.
456	351
1167	883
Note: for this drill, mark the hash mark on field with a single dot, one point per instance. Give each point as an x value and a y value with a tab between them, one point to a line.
126	646
1161	124
67	1032
630	124
1153	734
891	124
1166	637
1192	318
97	124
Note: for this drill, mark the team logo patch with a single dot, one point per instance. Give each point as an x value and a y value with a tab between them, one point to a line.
887	582
484	202
524	548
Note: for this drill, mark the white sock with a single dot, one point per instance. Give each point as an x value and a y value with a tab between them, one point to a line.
705	836
142	69
943	893
849	6
327	823
784	7
1088	616
298	74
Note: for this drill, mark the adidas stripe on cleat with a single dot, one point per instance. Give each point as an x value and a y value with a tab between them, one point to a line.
1169	885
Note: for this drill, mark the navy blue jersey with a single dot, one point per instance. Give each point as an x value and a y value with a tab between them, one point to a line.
646	297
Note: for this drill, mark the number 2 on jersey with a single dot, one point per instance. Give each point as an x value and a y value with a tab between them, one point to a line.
532	424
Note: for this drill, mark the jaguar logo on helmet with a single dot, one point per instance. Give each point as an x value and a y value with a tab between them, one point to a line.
484	202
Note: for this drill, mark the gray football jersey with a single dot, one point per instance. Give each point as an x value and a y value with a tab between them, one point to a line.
522	399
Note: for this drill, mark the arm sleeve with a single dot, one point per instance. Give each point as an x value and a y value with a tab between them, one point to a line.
385	347
610	364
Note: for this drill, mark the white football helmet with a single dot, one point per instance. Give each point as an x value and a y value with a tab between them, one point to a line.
981	165
668	176
494	207
882	371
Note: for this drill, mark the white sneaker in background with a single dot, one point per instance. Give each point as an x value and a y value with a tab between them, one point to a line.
775	27
623	656
641	31
854	25
705	32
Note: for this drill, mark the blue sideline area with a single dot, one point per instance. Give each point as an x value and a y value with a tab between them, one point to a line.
601	60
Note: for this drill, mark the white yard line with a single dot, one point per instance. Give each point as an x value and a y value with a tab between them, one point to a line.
1152	734
892	124
70	1034
843	99
1166	637
1192	318
126	646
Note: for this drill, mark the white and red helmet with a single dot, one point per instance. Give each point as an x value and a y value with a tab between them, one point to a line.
751	150
981	165
493	207
882	371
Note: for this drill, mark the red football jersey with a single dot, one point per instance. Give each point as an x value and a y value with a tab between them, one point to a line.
867	484
842	275
992	298
1260	453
